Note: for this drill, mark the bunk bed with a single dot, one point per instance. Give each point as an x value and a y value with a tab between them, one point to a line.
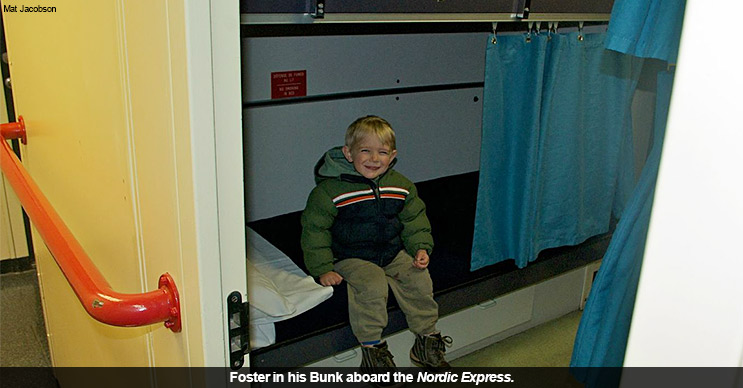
324	331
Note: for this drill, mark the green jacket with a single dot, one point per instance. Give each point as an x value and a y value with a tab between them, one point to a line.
348	215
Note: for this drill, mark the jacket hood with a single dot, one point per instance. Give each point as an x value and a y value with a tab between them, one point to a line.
333	165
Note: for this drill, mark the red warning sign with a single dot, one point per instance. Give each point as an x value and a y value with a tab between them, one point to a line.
286	84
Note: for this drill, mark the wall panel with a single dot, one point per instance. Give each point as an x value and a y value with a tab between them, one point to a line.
351	76
438	134
341	64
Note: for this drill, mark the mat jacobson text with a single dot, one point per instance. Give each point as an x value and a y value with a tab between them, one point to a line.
23	8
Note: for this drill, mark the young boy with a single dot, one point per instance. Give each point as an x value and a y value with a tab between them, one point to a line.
365	224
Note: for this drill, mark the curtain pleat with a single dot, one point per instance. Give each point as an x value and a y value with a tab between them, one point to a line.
556	156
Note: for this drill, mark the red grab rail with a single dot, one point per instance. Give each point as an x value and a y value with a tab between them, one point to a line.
91	288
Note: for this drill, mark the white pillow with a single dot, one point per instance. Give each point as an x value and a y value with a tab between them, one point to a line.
265	296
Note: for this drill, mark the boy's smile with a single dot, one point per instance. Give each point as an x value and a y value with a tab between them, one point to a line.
370	157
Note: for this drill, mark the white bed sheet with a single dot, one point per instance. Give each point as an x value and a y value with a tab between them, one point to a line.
277	289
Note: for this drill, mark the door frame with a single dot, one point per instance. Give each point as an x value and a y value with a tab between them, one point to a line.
216	136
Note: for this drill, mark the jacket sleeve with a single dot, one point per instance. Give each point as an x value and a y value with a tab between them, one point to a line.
317	218
416	232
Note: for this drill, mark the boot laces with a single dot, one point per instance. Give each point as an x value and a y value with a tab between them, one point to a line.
436	347
384	358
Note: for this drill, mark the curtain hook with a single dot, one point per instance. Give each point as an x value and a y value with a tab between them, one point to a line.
539	27
528	32
495	26
554	27
580	31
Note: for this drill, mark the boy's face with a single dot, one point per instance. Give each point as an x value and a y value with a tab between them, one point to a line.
370	157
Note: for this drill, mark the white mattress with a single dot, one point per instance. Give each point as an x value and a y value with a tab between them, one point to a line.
277	289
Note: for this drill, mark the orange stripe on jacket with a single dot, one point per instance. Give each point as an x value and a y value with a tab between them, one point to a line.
354	200
393	196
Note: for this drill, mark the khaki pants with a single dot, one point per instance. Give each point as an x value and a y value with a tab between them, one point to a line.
368	290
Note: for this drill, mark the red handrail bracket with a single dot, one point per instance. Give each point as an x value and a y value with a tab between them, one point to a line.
95	294
168	284
14	130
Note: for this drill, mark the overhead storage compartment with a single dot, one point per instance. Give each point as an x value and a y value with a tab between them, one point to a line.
570	6
384	6
311	11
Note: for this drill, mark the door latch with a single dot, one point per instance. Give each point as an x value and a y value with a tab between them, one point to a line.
237	313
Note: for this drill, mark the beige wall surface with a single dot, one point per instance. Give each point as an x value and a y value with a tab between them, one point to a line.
103	90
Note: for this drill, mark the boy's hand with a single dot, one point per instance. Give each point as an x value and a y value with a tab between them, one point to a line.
421	259
331	278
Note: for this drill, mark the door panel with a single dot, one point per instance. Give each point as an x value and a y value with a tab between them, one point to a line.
103	89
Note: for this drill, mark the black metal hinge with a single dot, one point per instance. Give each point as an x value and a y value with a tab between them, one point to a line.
317	9
237	313
522	8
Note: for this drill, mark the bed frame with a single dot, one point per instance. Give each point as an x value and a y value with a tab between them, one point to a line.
325	331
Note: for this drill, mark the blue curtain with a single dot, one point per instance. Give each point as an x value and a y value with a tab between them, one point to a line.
644	29
556	157
602	334
647	28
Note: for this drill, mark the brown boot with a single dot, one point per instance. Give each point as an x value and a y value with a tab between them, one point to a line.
377	360
429	352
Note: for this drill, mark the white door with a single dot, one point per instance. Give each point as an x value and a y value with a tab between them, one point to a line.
689	310
126	137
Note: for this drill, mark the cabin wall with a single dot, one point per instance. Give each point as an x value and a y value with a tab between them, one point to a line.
438	131
428	86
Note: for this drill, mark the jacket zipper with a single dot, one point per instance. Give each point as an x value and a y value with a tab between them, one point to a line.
377	198
375	189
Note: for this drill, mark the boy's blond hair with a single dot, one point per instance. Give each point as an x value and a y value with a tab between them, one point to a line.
370	125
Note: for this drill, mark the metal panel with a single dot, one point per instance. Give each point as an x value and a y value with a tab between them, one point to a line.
421	6
571	6
381	6
489	318
438	134
329	18
339	64
558	296
274	6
